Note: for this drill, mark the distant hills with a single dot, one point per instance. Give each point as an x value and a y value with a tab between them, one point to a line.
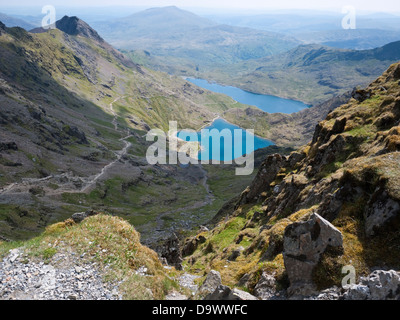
313	27
308	22
312	69
15	22
311	73
164	20
359	39
177	33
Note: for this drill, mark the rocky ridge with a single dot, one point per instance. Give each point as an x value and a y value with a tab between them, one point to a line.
75	26
333	203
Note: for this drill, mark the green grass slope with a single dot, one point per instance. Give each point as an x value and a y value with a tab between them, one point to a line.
348	173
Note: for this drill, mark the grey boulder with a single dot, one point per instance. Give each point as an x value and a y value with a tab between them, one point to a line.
213	280
304	243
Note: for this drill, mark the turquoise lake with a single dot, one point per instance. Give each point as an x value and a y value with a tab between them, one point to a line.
215	148
236	145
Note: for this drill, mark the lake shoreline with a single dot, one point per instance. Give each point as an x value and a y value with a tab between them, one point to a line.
220	124
264	102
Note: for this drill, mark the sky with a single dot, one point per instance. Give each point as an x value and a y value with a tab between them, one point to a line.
331	5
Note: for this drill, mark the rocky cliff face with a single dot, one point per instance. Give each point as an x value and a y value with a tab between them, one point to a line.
75	26
347	175
294	130
348	159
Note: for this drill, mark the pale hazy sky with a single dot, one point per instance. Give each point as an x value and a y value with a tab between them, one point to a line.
334	5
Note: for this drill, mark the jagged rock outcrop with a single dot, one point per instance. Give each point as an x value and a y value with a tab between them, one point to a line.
75	26
265	289
2	27
5	146
266	174
327	153
310	176
171	251
80	216
76	133
191	244
304	243
380	212
211	283
379	285
360	94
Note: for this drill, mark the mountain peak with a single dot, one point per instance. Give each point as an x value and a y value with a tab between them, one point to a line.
170	8
75	26
163	18
166	9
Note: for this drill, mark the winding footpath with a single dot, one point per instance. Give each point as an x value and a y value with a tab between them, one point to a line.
119	154
86	184
89	182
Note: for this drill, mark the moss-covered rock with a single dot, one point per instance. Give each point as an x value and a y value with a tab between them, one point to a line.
348	174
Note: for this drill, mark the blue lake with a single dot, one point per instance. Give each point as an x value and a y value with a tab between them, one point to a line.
267	103
214	148
236	146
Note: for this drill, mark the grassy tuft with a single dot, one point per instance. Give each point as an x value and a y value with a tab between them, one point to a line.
113	244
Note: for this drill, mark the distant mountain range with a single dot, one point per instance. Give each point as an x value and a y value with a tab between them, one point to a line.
179	42
307	21
359	39
311	73
373	30
15	22
177	33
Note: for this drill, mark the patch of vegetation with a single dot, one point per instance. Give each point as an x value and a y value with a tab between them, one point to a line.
110	242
